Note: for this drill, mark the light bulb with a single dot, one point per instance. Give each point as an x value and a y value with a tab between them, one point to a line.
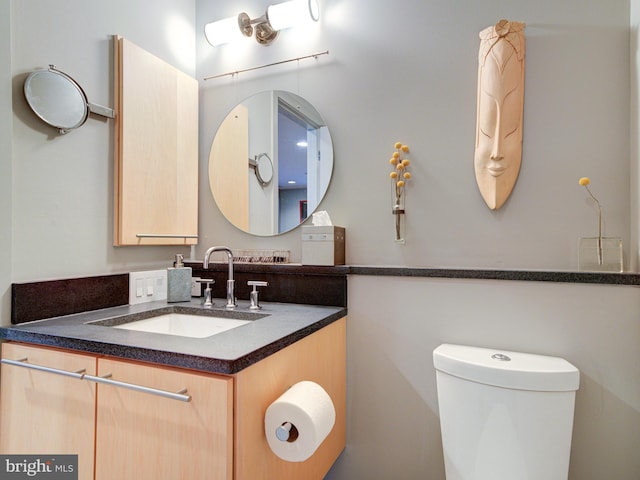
222	31
292	13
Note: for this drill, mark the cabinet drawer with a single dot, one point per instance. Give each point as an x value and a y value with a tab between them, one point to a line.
144	436
47	413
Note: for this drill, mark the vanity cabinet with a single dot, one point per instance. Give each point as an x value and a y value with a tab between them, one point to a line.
132	435
156	150
135	435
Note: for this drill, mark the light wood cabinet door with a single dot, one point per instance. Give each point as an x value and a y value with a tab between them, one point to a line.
146	437
156	151
46	413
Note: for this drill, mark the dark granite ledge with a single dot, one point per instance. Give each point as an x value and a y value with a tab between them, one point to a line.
605	278
284	268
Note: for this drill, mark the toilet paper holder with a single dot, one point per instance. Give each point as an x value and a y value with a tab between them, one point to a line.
298	421
287	432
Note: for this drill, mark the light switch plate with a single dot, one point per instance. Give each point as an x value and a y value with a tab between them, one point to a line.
147	286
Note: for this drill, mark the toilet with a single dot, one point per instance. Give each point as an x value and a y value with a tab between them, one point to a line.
504	415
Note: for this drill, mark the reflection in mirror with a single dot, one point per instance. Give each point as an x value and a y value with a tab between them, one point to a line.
273	135
263	168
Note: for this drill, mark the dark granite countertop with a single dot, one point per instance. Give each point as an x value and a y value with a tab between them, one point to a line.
225	353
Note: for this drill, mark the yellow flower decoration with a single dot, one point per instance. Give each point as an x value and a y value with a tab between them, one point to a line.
399	178
401	163
585	182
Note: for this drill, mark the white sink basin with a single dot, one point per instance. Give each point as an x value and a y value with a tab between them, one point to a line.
184	325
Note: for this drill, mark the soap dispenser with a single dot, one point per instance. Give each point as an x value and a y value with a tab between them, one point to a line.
179	281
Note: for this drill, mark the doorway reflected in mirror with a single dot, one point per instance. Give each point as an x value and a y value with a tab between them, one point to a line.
289	131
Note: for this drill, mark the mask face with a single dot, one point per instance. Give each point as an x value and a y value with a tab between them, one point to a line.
498	152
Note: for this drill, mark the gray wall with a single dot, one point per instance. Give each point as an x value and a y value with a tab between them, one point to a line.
408	71
62	198
5	159
395	324
397	71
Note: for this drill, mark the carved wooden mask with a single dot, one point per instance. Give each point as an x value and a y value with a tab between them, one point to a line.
498	152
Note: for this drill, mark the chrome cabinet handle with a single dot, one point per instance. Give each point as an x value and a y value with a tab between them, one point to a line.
164	235
106	379
22	362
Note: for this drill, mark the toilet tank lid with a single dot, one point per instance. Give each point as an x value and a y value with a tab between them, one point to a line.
501	368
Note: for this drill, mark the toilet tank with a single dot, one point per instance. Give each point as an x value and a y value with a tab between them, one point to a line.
504	415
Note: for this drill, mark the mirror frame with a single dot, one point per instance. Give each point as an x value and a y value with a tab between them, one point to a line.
52	94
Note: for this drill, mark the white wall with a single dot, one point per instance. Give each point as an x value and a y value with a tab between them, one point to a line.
395	323
634	122
63	185
408	71
5	160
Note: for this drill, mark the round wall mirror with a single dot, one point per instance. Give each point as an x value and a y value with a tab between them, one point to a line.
270	163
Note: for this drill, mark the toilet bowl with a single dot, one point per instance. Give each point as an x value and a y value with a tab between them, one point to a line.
504	415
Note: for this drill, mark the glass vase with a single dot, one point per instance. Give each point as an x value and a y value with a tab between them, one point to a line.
600	254
397	209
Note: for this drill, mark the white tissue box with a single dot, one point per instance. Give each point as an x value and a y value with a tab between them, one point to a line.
322	245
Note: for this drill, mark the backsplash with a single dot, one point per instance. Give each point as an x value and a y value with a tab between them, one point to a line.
52	298
325	286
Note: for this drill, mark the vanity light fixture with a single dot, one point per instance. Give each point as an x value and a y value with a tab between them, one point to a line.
277	17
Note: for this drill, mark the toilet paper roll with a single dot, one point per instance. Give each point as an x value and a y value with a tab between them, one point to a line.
310	411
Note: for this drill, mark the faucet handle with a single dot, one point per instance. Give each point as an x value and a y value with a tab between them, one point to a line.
207	302
253	295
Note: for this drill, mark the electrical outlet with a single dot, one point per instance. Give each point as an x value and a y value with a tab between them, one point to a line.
147	286
196	287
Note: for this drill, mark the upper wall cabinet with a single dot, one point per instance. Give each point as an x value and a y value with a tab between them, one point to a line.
156	150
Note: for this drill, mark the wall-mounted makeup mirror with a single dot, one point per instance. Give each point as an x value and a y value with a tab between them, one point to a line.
270	163
58	100
263	168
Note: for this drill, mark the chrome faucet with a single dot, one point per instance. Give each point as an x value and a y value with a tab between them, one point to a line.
231	299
